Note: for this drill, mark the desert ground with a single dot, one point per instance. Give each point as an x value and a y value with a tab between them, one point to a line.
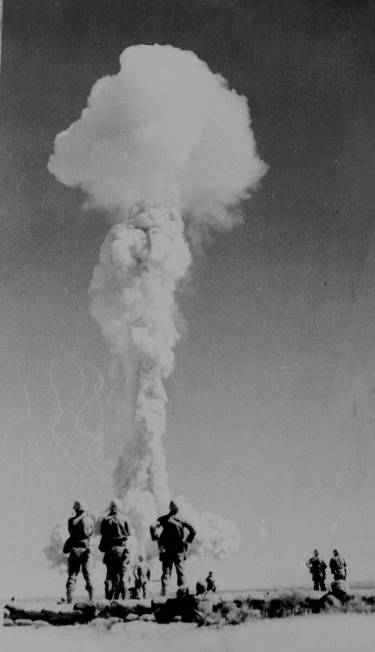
323	632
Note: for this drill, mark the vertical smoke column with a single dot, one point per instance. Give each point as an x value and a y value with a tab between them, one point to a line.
162	144
133	288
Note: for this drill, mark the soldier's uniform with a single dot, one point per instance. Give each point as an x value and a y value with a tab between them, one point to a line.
210	582
80	528
114	532
338	567
169	531
142	574
317	568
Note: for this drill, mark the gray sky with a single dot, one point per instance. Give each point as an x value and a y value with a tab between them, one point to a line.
271	406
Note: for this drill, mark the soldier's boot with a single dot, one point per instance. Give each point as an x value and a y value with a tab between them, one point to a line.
108	590
69	596
122	590
90	591
163	589
116	591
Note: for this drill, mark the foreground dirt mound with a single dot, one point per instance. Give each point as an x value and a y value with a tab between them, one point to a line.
206	609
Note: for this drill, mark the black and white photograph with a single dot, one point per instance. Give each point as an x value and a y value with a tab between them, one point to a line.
187	325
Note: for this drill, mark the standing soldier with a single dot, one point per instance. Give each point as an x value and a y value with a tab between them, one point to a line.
337	565
169	532
142	575
80	528
114	532
317	568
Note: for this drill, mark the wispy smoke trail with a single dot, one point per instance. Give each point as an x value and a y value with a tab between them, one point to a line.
162	144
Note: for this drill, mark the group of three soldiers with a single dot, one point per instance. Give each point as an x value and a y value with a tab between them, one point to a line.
172	534
317	568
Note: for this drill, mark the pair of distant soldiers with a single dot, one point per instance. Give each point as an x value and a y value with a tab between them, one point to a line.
317	568
172	534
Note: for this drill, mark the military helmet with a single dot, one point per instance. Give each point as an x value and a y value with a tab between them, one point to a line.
79	504
115	503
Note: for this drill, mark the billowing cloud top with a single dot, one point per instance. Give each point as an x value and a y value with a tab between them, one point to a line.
165	130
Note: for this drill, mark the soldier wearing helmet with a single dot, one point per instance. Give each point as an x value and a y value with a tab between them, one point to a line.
337	566
170	533
80	527
142	575
114	532
317	568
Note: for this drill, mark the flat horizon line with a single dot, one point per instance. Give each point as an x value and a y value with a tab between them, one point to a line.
356	584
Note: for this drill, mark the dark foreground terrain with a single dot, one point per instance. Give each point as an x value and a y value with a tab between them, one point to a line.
208	609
